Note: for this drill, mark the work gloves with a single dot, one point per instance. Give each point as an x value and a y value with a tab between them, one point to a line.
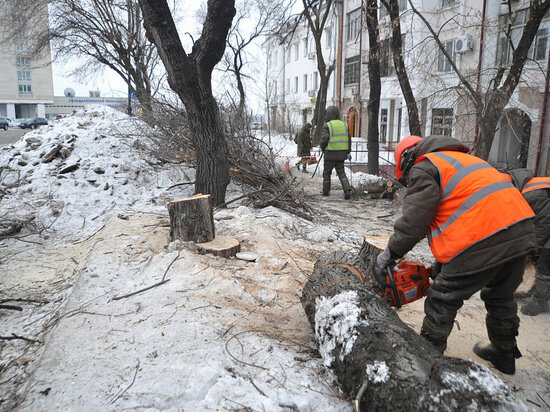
386	258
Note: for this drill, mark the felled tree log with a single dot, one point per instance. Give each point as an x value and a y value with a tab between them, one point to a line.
223	246
192	219
378	360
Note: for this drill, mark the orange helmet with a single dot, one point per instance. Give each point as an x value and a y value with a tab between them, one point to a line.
403	145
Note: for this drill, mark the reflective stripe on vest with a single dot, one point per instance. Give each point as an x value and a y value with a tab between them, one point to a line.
338	139
536	183
475	203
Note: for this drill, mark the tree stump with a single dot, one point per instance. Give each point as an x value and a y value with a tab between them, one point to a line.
192	219
378	360
224	246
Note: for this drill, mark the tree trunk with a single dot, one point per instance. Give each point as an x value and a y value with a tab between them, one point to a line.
402	76
373	107
378	360
192	219
190	77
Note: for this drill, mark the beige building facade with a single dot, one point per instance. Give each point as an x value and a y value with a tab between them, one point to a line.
26	82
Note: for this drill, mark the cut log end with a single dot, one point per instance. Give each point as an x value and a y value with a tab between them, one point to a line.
223	246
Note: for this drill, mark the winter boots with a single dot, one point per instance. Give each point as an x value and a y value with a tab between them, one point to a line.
503	361
347	194
541	296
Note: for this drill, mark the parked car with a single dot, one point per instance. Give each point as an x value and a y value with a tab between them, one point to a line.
14	122
33	123
4	123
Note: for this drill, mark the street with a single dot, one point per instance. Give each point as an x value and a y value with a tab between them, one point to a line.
11	135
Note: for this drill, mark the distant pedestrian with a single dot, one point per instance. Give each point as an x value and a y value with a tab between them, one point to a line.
536	191
303	140
336	146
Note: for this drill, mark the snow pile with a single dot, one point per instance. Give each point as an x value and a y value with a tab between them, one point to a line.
378	372
336	320
76	172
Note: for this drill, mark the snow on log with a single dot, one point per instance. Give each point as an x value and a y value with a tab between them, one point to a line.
192	219
379	361
223	246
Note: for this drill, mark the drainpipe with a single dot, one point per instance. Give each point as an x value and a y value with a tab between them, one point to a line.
544	106
339	63
360	67
480	59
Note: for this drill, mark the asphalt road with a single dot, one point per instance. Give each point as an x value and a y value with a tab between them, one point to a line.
11	135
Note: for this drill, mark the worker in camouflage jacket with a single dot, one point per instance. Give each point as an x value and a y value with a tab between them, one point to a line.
536	191
303	140
336	147
478	226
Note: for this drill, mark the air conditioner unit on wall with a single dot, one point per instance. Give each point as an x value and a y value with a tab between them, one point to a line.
464	44
312	93
311	55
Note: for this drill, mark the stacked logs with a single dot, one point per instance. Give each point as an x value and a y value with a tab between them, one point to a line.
383	189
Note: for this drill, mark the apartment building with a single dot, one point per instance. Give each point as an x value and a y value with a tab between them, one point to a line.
293	77
522	140
26	82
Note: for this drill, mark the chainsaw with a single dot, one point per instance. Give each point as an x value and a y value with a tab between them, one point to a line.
404	283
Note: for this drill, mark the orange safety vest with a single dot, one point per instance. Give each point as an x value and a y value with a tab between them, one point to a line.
475	203
536	183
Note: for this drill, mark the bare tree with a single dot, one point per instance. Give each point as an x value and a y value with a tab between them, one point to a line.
373	106
102	33
490	106
190	76
316	13
397	49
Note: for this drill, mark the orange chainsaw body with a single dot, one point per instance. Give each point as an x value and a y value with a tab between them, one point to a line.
408	282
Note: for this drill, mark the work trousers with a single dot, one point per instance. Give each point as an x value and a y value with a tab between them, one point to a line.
328	165
497	286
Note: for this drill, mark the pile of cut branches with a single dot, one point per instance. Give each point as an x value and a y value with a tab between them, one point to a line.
252	162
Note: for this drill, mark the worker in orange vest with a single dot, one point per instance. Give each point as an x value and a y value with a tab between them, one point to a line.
536	191
479	228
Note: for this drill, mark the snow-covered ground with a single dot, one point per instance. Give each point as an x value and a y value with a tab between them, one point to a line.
210	334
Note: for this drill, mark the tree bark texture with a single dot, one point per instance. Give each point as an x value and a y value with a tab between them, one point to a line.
192	219
399	63
190	75
378	360
373	106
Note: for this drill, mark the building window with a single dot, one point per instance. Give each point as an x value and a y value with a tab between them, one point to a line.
288	55
25	90
351	70
315	81
305	47
288	85
386	59
328	38
22	62
305	82
384	12
296	84
447	3
443	64
354	23
296	51
23	76
21	48
541	44
442	122
383	125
